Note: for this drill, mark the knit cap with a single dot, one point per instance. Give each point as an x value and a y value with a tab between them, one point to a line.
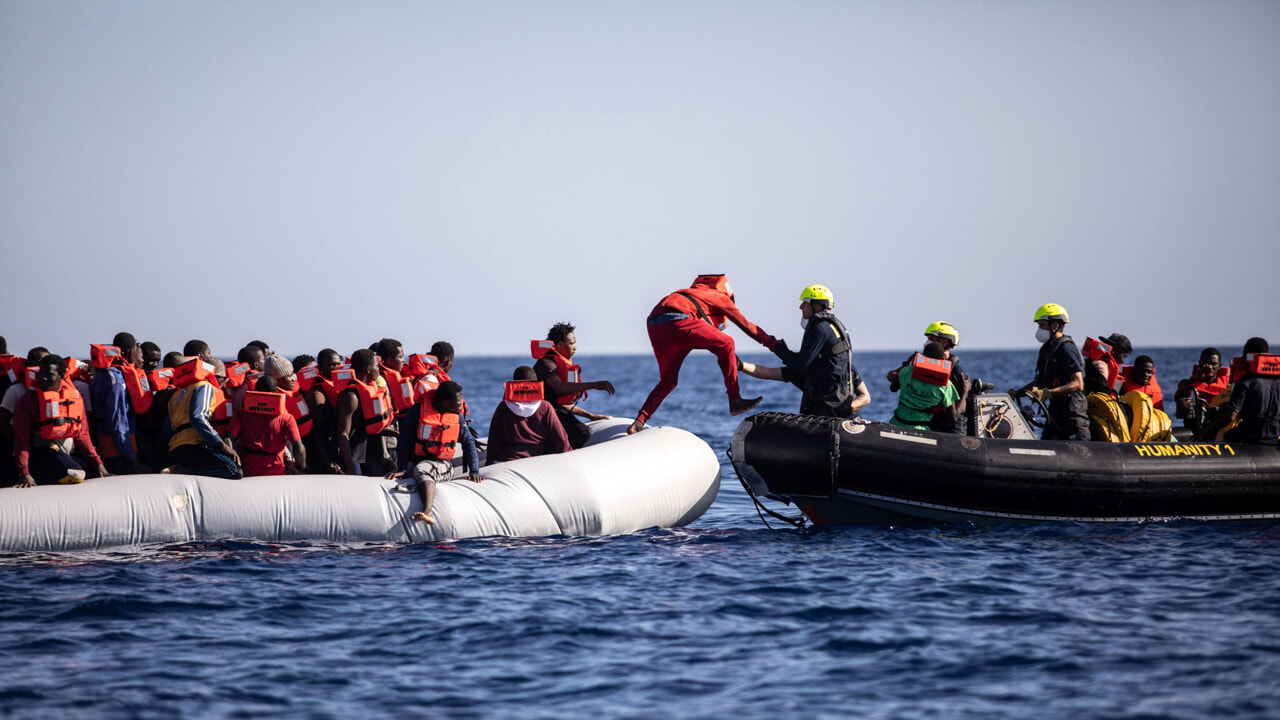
278	367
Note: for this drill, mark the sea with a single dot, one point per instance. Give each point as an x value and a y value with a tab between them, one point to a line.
725	618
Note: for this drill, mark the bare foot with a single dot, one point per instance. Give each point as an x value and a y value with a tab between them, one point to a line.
635	427
423	517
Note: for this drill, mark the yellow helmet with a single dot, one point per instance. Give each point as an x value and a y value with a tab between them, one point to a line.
818	292
1052	311
944	329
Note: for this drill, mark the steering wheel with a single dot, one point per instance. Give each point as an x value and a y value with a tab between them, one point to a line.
1034	411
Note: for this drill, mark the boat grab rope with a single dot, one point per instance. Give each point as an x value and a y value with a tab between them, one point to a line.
797	522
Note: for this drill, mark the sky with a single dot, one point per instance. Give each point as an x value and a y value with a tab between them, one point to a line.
316	173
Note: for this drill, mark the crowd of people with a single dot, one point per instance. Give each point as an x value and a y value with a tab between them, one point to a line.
133	409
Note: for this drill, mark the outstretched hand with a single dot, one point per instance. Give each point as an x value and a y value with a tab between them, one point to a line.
604	385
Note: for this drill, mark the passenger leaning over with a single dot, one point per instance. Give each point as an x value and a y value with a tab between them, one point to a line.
925	389
194	446
120	393
1059	380
693	319
950	419
823	366
524	424
264	429
48	422
555	368
1196	395
1102	363
363	411
432	431
1141	376
1255	399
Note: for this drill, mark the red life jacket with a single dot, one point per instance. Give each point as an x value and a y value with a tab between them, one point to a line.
522	391
567	372
1151	389
375	407
13	367
930	370
296	404
264	403
437	432
30	380
400	387
1209	391
61	412
1095	349
415	366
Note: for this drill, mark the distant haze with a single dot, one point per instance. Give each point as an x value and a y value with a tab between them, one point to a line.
329	173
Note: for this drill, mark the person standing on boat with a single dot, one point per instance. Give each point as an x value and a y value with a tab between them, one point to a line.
947	337
524	424
1059	381
921	399
693	319
563	383
1255	400
432	431
823	366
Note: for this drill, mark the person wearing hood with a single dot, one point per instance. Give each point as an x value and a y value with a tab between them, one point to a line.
524	424
1059	381
693	319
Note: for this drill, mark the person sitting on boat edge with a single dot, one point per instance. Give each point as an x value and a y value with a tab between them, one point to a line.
1195	396
823	366
946	335
264	430
556	369
48	422
524	424
693	319
1141	376
1255	400
920	398
1059	380
1102	362
429	436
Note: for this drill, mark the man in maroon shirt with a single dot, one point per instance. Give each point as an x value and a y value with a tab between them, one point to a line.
523	428
43	461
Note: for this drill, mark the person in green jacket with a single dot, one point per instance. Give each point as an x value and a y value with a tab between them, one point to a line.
918	400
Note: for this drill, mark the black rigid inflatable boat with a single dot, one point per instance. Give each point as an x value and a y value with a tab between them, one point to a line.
841	472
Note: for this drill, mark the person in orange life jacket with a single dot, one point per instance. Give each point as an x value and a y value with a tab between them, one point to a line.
256	359
198	348
151	356
399	388
919	401
1255	402
281	370
47	423
1194	398
1098	373
362	411
263	438
113	411
159	415
691	319
321	442
524	428
947	337
1059	380
553	370
1141	376
823	366
432	430
195	447
15	392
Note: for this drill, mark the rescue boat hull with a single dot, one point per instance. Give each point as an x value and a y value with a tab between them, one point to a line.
841	472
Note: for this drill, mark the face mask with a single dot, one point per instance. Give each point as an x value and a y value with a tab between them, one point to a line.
804	323
1042	335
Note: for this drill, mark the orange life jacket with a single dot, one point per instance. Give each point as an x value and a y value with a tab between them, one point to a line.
400	388
237	374
264	403
1263	364
220	419
417	365
930	370
1095	349
30	379
160	379
138	386
308	376
296	403
339	379
103	356
437	432
61	412
76	370
1209	391
522	391
13	367
375	407
567	372
1151	389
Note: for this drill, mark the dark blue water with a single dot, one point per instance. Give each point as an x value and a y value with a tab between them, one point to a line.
724	618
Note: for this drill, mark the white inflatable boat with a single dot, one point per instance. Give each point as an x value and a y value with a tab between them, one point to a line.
662	477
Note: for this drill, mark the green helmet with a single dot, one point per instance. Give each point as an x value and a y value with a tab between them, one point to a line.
818	292
1052	311
944	329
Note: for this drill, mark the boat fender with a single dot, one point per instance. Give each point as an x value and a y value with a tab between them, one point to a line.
1107	421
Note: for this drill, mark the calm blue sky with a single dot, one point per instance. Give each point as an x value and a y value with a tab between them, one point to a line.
328	173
